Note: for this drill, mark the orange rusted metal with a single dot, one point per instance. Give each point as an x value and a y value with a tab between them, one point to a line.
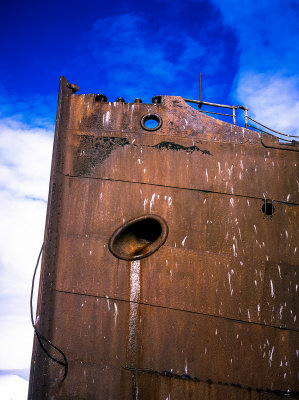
170	265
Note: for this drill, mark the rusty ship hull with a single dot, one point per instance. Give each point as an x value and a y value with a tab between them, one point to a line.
208	313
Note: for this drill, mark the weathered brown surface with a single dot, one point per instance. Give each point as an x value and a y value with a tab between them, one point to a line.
213	313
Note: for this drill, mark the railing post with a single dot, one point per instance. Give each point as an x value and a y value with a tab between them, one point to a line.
246	115
234	115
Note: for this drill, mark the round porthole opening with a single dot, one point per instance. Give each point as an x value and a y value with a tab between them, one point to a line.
138	238
151	122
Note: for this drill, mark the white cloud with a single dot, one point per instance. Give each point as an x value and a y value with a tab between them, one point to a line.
13	387
16	339
25	155
267	81
272	100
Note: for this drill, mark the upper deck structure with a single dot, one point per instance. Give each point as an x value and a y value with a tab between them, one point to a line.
170	264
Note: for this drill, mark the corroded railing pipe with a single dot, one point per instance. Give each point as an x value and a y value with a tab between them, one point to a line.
205	103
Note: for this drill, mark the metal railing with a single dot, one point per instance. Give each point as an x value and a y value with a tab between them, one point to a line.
246	118
233	108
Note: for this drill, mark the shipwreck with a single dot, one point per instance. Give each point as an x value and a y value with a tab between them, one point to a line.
170	256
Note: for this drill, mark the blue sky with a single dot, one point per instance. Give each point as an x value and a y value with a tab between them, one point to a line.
247	52
128	49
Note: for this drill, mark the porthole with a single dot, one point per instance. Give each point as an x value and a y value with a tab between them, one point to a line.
151	122
138	238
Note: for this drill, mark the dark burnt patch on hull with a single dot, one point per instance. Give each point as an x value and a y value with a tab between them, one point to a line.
95	150
177	147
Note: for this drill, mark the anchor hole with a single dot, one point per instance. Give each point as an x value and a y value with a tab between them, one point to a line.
138	238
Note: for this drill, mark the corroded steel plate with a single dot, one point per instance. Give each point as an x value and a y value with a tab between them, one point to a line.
170	266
